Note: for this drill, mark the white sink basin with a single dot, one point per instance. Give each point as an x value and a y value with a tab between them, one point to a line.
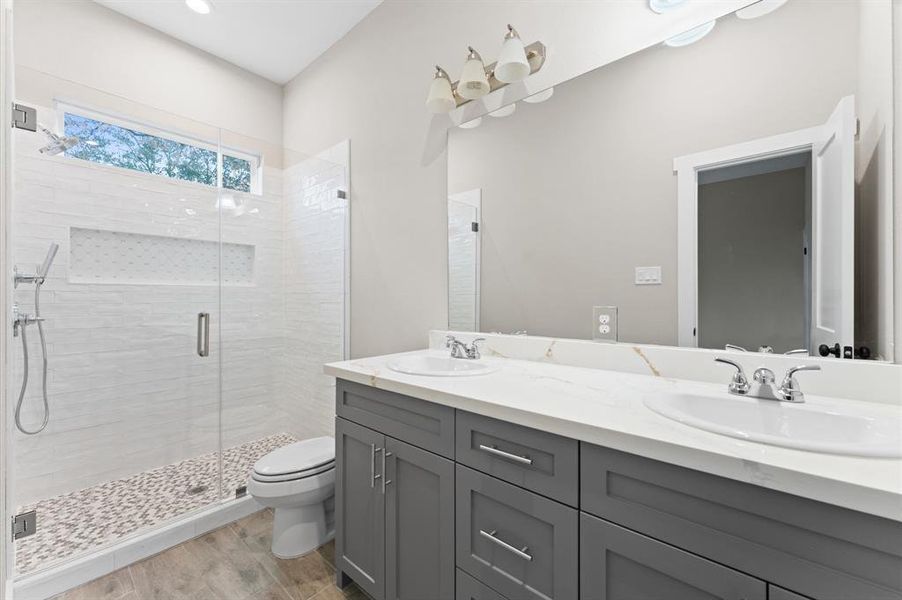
439	366
829	429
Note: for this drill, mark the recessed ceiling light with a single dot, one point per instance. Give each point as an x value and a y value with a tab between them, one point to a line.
201	7
471	124
691	36
540	96
759	9
662	6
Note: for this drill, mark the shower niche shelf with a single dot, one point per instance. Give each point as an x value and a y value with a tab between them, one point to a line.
118	257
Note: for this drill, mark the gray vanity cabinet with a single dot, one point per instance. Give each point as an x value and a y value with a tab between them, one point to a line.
619	564
359	507
419	524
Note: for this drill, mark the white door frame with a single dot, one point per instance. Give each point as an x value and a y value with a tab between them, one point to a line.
687	169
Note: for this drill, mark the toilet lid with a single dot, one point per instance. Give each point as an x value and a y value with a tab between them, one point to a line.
297	457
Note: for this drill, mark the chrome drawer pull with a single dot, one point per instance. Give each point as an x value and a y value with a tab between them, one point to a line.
521	552
493	450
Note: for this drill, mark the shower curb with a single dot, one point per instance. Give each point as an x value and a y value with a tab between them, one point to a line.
55	580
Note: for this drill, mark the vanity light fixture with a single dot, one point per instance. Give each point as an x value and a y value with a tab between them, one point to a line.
759	9
663	6
516	63
473	124
201	7
441	96
474	81
504	111
513	65
691	36
540	96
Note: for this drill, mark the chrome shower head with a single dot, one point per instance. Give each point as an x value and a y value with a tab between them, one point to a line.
51	254
58	144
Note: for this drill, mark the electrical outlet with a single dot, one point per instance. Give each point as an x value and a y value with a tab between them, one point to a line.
604	323
648	275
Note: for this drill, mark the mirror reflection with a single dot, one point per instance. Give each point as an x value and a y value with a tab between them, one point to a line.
732	191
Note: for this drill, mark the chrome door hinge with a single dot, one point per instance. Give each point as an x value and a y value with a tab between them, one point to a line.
25	524
24	117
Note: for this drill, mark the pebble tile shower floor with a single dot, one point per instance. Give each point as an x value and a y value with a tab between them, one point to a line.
74	523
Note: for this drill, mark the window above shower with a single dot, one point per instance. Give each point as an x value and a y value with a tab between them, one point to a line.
110	141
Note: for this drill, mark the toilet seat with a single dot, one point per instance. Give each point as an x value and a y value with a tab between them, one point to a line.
296	461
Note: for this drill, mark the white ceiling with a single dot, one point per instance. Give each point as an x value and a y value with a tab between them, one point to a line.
272	38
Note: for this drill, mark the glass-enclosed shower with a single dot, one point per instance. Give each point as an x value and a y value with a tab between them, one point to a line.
177	289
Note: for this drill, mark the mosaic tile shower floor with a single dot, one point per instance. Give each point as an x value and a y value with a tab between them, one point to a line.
74	523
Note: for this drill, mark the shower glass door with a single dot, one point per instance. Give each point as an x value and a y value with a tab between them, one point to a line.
130	309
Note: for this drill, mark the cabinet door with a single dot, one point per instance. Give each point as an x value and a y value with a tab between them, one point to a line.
359	507
619	564
419	524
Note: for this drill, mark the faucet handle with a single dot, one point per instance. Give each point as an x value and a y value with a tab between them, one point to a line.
473	349
449	339
789	389
740	383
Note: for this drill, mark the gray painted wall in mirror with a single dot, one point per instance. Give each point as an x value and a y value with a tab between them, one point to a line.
584	180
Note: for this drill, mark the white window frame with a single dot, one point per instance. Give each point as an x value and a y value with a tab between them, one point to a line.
255	160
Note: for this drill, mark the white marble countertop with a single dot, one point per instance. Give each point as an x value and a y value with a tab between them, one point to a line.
607	408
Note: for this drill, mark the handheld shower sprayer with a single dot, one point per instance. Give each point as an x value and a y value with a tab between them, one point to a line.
21	322
48	260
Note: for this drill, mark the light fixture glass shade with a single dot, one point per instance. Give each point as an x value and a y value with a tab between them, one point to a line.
504	111
759	9
471	124
512	63
691	36
440	98
201	7
540	96
473	82
663	6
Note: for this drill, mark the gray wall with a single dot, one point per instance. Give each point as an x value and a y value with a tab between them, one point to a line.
371	87
751	232
579	190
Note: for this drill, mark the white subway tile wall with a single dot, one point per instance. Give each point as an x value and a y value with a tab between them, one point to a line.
127	390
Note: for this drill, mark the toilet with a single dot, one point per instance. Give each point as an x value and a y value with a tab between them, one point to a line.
298	481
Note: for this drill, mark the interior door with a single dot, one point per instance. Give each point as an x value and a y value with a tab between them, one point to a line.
833	212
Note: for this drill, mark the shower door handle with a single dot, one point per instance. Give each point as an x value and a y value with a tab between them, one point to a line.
203	334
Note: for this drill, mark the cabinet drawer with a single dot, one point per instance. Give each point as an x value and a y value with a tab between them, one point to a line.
619	564
469	588
516	542
815	549
541	462
417	422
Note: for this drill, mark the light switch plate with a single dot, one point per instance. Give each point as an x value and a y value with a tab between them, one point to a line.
604	323
648	275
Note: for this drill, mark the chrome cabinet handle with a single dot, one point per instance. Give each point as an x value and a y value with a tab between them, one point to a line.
385	480
525	460
203	334
373	475
521	552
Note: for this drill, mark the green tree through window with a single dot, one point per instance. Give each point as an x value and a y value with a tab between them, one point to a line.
117	146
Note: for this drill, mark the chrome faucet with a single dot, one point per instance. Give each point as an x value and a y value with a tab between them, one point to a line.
462	350
763	381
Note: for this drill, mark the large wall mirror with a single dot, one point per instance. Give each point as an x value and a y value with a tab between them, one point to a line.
733	191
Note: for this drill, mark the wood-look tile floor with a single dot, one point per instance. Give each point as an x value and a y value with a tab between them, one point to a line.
230	563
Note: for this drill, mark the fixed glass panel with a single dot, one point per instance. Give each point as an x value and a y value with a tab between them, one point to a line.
288	319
